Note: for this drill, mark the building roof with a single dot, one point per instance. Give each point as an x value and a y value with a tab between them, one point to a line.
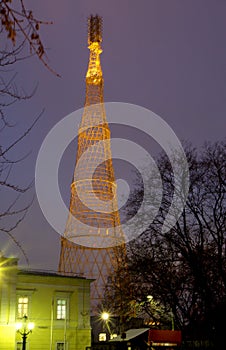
130	334
49	274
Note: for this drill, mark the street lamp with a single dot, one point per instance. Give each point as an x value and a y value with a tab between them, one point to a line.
24	328
105	316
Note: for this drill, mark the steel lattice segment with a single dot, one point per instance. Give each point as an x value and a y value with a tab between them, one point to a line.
92	263
93	242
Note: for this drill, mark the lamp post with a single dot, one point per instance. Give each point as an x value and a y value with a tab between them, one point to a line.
105	317
24	328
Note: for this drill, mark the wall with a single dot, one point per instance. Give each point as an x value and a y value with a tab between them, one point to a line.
43	289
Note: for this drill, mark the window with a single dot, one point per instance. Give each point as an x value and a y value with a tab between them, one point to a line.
19	345
102	336
61	310
61	306
60	346
22	306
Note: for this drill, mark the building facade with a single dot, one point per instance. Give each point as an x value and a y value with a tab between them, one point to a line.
59	307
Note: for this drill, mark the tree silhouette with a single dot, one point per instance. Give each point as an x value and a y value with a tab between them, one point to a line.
20	39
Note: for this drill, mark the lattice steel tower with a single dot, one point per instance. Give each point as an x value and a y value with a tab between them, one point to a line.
93	243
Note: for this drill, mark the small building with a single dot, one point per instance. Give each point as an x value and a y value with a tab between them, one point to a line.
58	305
167	339
132	339
143	339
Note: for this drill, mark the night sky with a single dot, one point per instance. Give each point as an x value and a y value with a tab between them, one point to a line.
167	56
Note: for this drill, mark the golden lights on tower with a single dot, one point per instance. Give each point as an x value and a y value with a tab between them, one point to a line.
88	246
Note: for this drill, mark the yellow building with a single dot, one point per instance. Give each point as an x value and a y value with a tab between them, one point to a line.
59	307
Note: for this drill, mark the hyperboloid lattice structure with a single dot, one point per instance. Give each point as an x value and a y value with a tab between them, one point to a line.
93	242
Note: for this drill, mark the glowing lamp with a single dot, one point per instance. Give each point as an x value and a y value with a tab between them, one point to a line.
105	316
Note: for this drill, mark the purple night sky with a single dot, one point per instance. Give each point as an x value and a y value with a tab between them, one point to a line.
167	56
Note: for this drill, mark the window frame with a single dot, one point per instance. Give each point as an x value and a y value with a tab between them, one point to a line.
62	295
19	342
61	298
61	342
21	314
22	293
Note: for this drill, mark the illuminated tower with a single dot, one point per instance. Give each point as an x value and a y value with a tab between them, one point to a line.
93	243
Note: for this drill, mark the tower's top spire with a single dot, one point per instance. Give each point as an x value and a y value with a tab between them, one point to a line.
94	74
94	29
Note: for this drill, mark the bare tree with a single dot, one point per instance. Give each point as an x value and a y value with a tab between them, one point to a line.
184	269
20	28
20	39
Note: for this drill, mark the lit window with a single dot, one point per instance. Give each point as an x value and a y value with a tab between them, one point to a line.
61	309
102	337
22	307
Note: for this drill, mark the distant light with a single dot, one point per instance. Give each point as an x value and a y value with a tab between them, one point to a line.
113	336
105	316
102	336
